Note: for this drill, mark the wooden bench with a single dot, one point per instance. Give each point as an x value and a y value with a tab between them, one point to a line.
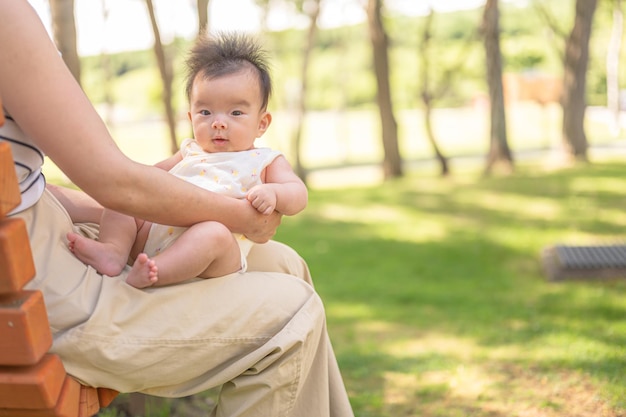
33	382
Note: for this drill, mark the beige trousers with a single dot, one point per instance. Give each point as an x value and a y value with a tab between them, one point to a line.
260	335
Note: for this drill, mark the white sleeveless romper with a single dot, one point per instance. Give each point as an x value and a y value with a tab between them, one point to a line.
227	173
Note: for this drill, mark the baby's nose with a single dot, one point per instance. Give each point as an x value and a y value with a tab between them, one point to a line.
218	124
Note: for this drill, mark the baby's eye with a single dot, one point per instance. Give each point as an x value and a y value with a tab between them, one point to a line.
205	112
237	113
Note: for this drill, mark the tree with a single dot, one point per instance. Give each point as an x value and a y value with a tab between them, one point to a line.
298	98
612	65
426	93
312	9
165	69
499	152
575	63
392	162
64	30
431	91
107	71
203	16
264	7
575	80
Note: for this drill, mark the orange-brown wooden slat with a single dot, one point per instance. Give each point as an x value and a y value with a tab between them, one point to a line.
106	396
10	195
24	330
67	405
89	404
32	387
16	259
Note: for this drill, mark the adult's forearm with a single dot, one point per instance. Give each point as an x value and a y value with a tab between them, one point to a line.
155	195
82	208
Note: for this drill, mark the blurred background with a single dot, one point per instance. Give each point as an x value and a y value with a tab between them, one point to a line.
385	83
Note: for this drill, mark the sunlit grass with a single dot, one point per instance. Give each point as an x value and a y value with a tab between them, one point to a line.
436	299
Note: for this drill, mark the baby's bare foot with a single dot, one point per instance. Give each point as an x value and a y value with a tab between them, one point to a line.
143	273
103	257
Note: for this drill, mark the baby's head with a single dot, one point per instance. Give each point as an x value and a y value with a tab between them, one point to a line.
228	86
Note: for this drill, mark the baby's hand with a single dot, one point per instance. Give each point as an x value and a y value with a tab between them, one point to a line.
262	198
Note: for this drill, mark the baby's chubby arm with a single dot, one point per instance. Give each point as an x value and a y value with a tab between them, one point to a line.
169	163
282	190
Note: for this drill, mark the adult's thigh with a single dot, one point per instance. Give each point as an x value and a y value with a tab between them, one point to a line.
275	256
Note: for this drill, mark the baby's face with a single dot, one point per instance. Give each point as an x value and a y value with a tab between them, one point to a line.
225	112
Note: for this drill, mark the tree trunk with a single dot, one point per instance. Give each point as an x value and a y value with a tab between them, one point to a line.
203	16
313	13
392	162
430	134
105	63
427	96
499	152
612	67
64	29
264	8
165	69
574	81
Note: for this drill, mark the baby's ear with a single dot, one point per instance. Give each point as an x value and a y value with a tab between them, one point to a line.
264	123
189	115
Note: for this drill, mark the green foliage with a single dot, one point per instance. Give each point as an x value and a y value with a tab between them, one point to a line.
119	65
341	66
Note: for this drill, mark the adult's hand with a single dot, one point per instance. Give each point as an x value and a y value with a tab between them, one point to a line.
259	227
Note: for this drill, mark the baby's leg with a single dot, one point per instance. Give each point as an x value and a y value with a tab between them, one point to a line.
81	207
109	254
205	250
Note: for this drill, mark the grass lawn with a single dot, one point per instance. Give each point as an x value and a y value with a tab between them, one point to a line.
436	300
